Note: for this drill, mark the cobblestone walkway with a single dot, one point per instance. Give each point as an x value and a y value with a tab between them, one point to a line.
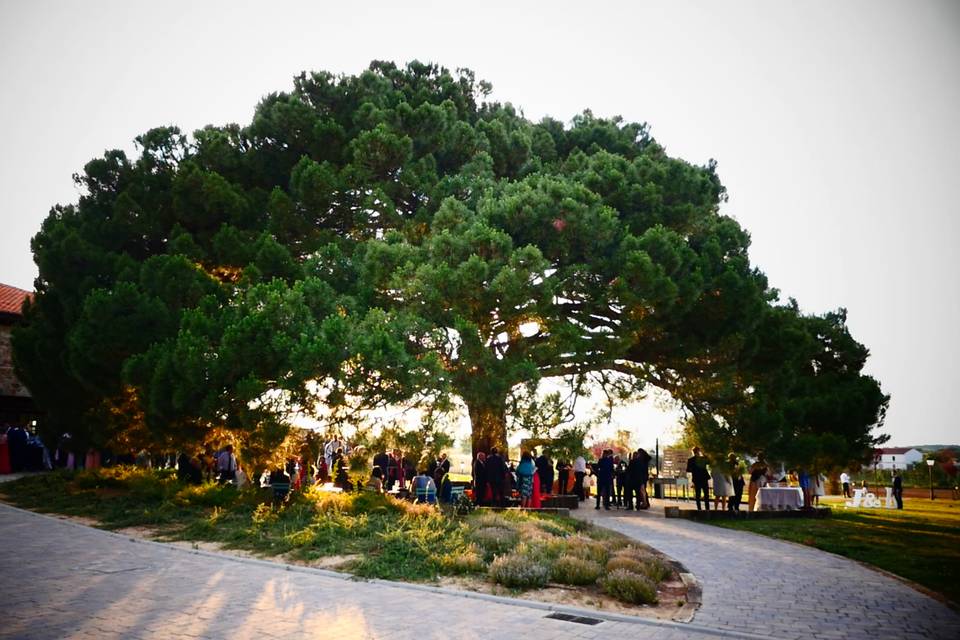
62	580
763	586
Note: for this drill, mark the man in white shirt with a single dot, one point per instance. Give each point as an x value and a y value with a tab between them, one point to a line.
845	481
579	471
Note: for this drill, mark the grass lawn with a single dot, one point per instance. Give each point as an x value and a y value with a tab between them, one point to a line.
920	543
366	534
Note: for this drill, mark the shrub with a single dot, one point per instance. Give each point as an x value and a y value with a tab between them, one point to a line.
626	563
468	560
629	587
656	569
635	553
496	540
518	571
488	519
263	515
206	495
574	570
554	528
587	548
546	548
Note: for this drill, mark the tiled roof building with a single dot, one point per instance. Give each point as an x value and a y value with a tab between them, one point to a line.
16	406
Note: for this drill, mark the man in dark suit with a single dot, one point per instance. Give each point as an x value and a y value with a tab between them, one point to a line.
545	471
605	478
382	460
898	488
480	478
496	471
697	468
443	463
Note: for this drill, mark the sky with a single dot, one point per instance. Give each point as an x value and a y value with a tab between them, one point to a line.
835	126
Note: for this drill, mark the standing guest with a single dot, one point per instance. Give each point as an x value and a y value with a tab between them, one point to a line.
758	474
280	483
446	487
845	481
17	443
339	463
525	472
443	463
736	475
323	471
644	459
4	452
208	459
579	471
226	465
188	469
408	470
722	485
496	473
382	460
589	483
697	468
632	482
819	487
330	449
805	480
605	478
340	476
898	488
563	476
480	479
393	469
545	472
619	479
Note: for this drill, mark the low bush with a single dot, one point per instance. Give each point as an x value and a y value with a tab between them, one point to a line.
492	519
587	548
469	560
495	540
518	571
626	563
553	527
629	587
575	571
635	553
656	569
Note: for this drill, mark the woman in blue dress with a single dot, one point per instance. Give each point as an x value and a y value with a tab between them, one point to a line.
525	471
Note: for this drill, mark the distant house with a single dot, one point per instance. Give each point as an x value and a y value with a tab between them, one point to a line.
16	405
896	457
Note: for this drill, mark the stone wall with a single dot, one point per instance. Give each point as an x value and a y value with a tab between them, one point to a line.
9	384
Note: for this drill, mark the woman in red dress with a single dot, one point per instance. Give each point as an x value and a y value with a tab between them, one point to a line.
535	498
4	454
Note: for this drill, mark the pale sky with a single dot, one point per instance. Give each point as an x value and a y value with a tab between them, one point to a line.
836	126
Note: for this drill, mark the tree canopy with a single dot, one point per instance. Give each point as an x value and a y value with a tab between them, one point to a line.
392	237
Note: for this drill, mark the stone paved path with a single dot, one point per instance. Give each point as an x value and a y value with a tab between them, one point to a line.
62	580
759	585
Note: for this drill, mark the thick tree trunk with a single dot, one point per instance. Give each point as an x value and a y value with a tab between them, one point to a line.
489	426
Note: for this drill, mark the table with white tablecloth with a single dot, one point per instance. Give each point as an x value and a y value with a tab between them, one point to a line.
776	498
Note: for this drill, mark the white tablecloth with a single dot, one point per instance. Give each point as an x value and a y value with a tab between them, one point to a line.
779	498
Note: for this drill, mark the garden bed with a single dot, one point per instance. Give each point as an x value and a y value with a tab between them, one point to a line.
517	553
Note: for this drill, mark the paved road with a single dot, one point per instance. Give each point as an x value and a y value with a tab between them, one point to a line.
759	585
62	580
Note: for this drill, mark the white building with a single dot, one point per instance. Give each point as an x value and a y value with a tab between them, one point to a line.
896	458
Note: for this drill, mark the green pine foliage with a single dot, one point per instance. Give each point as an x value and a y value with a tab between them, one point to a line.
381	238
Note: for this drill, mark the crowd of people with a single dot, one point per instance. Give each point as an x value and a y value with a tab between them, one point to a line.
612	480
615	481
